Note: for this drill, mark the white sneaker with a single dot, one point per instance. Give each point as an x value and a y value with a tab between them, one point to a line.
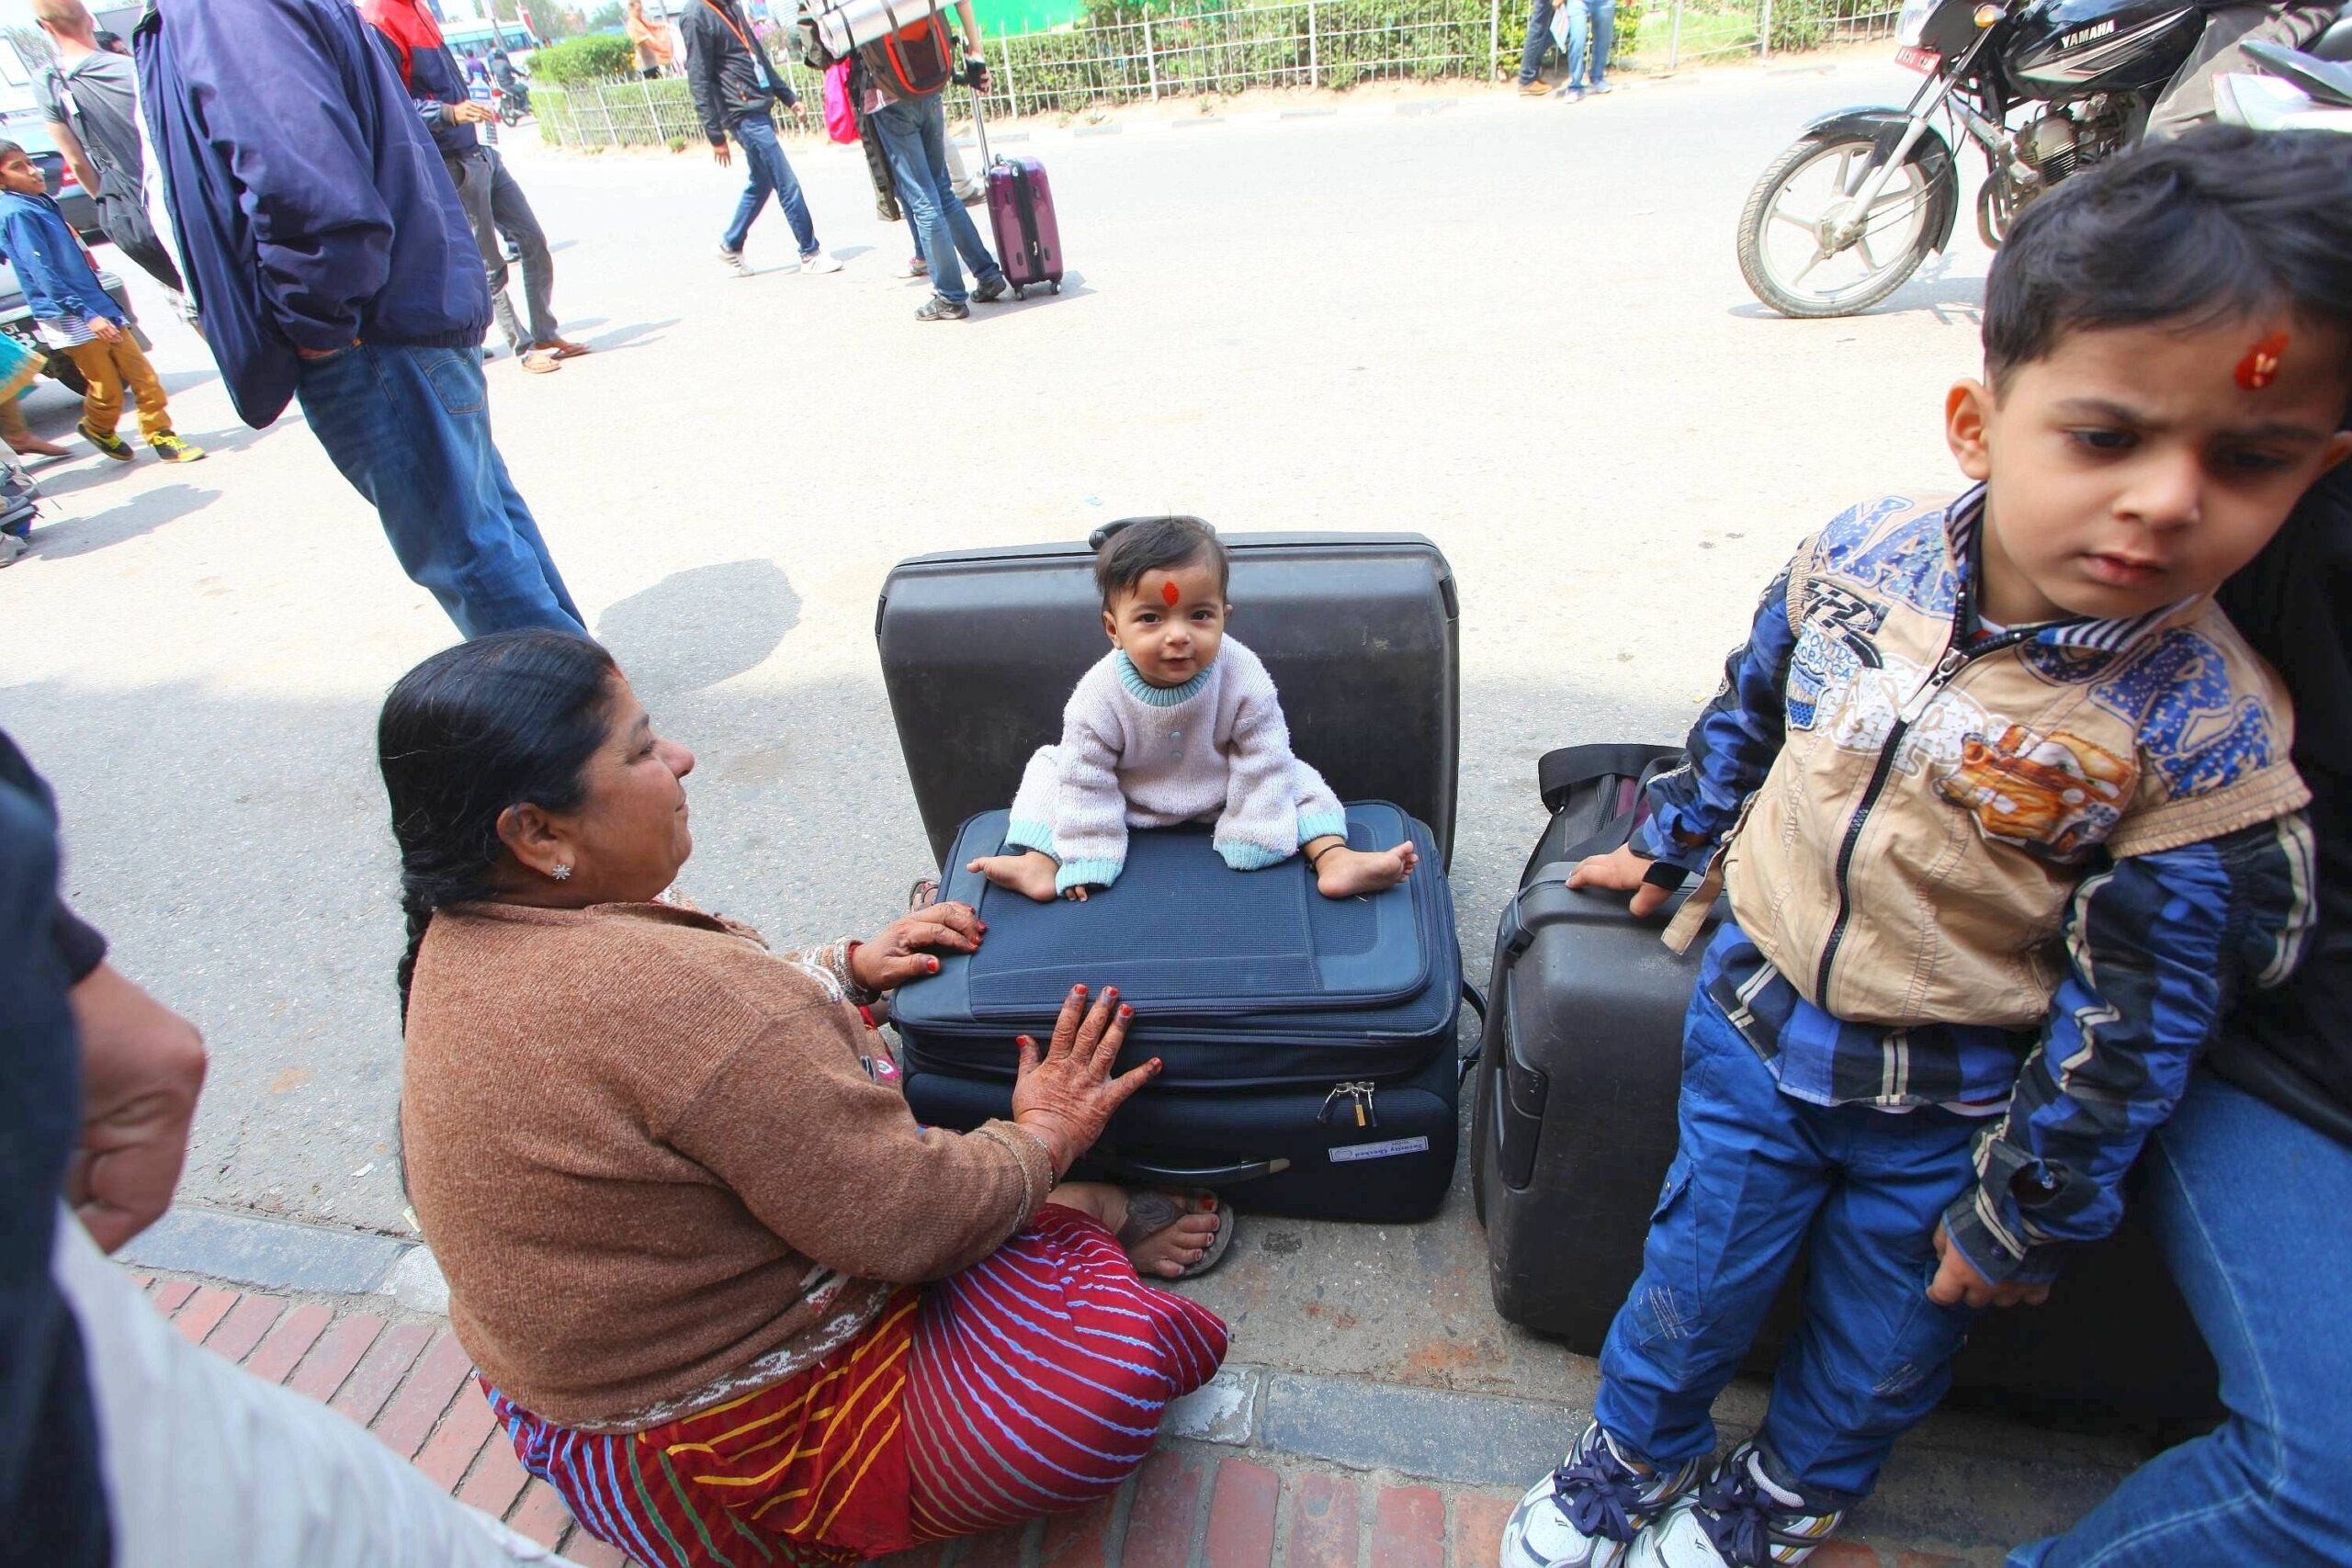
735	261
1585	1513
1740	1519
11	549
819	260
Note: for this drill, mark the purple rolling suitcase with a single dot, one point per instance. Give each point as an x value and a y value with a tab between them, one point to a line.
1021	212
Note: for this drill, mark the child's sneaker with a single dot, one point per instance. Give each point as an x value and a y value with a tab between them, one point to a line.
734	262
172	449
1741	1519
106	441
1583	1514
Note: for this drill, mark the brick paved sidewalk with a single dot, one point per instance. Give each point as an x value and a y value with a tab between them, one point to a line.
1192	1505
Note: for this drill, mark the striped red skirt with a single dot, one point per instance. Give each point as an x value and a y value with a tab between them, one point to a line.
1032	1382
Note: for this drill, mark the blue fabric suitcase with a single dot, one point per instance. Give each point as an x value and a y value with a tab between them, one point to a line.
1308	1043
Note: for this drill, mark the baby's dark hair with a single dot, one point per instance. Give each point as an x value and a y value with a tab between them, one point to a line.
1155	543
2223	223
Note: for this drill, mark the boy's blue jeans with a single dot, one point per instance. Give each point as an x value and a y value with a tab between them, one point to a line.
764	159
410	428
2249	1204
914	140
1756	1177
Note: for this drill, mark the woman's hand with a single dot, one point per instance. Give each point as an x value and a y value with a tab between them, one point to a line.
1066	1095
897	954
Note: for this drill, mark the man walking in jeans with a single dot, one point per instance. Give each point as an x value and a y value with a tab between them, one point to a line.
736	88
913	131
495	207
331	262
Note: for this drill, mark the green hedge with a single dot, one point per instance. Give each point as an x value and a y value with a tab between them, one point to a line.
600	57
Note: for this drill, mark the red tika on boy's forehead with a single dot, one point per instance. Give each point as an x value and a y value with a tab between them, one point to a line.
1167	594
2260	365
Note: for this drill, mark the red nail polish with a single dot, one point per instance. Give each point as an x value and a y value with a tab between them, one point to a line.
934	966
1078	990
1126	1012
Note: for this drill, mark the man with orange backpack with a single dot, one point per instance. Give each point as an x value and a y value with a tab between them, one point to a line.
736	88
904	75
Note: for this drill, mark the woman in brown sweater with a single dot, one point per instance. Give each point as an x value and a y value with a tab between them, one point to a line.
723	1293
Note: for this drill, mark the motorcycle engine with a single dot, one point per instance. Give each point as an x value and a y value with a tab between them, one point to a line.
2049	147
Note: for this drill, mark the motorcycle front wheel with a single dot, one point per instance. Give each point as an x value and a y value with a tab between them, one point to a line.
1795	249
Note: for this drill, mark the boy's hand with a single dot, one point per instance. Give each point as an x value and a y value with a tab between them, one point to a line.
1621	869
471	113
1957	1280
104	330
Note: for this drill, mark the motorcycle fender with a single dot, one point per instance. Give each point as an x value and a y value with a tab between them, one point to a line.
1932	153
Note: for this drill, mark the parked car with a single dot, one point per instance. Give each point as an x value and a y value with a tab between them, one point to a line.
17	321
29	131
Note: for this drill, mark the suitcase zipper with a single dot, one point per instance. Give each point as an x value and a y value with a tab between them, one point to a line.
1359	1096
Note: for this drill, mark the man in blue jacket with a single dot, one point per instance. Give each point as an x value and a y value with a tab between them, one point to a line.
327	252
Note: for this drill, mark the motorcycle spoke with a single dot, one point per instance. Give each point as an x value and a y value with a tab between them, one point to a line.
1808	225
1802	272
1862	244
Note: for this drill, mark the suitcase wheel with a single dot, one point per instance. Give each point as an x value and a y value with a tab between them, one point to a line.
1058	287
1020	291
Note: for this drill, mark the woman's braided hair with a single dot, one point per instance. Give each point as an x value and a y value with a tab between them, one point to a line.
503	720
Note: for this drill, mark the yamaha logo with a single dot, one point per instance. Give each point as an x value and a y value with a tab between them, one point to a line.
2081	36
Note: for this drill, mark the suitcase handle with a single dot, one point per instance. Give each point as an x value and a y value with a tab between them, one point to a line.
1563	770
1188	1176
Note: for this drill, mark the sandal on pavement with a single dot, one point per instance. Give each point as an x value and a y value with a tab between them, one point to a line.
1150	1213
562	347
536	361
922	895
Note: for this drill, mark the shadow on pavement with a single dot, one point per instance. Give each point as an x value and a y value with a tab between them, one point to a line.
630	336
70	536
695	628
1952	300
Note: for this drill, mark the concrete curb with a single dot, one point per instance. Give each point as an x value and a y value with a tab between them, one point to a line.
1960	1492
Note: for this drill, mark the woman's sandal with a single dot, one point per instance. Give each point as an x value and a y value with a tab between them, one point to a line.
1150	1213
922	895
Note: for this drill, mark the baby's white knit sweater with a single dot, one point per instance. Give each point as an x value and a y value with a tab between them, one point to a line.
1132	754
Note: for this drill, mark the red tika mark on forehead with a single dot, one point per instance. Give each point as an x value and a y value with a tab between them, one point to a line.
1167	595
2260	365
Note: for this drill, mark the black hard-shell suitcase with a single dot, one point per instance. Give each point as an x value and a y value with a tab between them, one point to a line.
980	649
1574	1125
1307	1043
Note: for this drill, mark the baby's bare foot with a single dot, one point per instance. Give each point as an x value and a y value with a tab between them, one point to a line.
1030	873
1342	873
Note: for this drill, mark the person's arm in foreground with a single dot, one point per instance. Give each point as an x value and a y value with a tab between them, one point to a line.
300	161
1729	750
2158	947
142	1068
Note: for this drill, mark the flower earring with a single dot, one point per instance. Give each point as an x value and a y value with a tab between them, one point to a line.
563	872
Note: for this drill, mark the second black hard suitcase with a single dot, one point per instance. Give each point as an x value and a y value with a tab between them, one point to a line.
981	647
1574	1126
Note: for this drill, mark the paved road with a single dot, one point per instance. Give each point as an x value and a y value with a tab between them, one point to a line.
1516	327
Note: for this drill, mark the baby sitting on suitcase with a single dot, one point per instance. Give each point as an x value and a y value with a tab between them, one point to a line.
2006	812
1178	723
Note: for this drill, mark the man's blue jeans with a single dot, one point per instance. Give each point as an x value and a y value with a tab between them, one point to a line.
2249	1205
1593	23
764	159
410	428
1757	1176
914	139
1593	19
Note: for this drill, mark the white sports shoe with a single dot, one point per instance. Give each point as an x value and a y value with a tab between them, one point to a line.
1740	1519
1585	1513
819	260
735	261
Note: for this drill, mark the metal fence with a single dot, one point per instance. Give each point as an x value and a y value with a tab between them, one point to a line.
1287	43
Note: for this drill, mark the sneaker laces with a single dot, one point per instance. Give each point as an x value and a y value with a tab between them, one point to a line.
1599	1492
1738	1510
